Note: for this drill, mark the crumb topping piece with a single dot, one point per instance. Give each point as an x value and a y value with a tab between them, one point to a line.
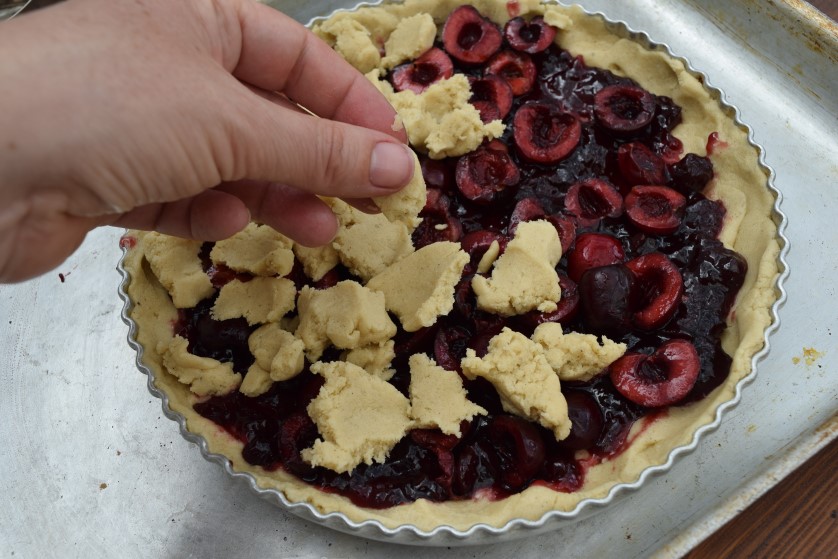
440	119
278	352
178	268
347	315
257	249
316	261
438	398
359	416
528	387
259	300
204	375
375	359
411	37
405	205
420	287
366	243
256	382
352	41
576	356
524	277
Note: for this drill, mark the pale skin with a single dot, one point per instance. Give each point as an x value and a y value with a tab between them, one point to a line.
176	117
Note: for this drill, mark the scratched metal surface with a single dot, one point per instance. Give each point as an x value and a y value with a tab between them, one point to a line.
92	468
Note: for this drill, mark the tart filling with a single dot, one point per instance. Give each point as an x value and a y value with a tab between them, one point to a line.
584	285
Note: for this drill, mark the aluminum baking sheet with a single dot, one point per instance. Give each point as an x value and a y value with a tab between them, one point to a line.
92	467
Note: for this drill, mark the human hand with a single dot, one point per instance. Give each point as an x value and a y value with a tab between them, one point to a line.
176	116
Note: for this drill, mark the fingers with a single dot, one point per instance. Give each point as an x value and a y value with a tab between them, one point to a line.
272	143
279	54
296	214
209	216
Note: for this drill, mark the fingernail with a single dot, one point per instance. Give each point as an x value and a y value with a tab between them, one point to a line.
391	165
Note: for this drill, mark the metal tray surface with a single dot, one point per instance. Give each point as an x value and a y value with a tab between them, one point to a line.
94	469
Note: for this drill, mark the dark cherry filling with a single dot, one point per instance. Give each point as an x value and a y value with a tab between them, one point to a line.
669	308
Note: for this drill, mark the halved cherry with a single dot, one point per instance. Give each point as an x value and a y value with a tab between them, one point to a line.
593	199
593	250
432	67
438	223
516	68
545	134
491	91
660	379
691	173
476	243
484	172
529	36
640	165
465	302
527	209
565	312
469	37
520	448
606	294
656	210
438	173
624	108
659	288
566	226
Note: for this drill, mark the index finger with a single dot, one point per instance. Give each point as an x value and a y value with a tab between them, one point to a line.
279	54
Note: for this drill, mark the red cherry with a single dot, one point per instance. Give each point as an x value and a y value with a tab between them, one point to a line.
656	210
593	199
491	91
660	379
484	172
438	173
660	287
521	444
469	37
432	67
527	209
605	294
586	419
476	243
544	134
624	108
566	226
593	250
516	68
450	347
532	37
640	165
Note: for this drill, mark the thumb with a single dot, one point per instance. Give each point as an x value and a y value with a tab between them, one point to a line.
326	157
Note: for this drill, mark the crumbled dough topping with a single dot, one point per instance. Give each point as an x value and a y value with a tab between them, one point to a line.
405	205
316	261
576	356
524	276
366	243
259	300
256	382
440	119
411	37
277	351
437	397
256	249
204	375
352	41
178	268
518	369
347	315
420	287
488	258
359	416
375	359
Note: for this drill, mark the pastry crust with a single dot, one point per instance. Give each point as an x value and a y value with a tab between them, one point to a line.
749	229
